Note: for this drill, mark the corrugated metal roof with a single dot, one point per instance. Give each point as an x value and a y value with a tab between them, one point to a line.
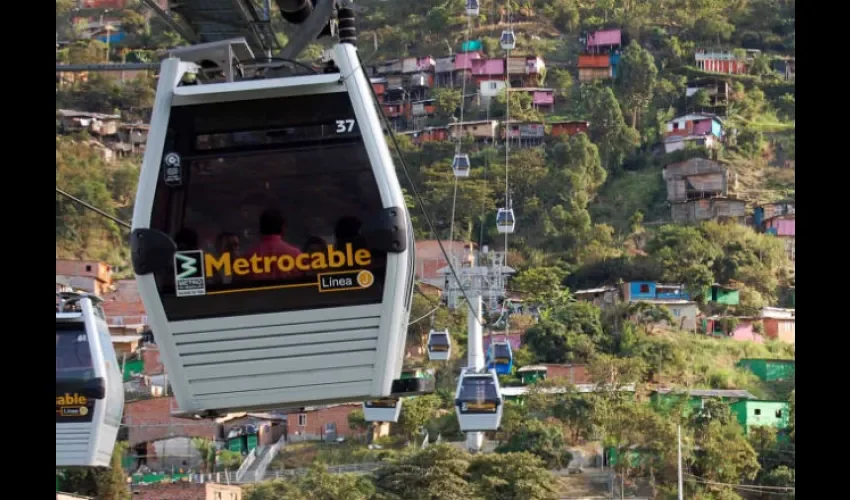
710	393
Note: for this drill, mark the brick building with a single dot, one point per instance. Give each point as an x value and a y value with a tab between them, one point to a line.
151	420
187	491
89	275
123	305
321	423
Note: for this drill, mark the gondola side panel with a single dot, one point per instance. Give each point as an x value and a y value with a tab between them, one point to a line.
398	291
170	74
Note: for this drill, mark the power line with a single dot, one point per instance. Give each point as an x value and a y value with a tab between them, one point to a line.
94	209
749	486
417	195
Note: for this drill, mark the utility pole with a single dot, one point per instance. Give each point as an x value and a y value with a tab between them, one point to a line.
679	435
474	354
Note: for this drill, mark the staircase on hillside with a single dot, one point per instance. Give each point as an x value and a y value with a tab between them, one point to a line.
263	456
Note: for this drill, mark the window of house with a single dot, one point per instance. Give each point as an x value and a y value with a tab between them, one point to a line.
644	288
217	495
778	413
302	420
330	428
676	313
88	269
757	411
675	125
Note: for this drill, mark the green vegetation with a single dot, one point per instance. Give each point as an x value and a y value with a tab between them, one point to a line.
591	211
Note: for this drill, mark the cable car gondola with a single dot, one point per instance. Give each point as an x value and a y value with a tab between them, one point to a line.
472	7
382	410
478	401
89	386
439	345
508	40
271	242
500	357
505	222
461	165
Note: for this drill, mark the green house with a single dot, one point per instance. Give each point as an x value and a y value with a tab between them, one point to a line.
761	413
132	367
720	294
769	370
532	374
470	46
665	399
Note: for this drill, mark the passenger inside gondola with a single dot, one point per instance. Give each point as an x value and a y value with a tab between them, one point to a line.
73	358
272	243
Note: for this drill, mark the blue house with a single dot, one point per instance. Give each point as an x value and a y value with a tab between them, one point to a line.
649	290
615	60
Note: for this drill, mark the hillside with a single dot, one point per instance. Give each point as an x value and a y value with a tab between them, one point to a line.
592	209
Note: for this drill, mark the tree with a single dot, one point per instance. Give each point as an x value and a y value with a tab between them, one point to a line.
319	484
447	102
416	412
544	440
649	315
566	333
608	129
541	285
635	81
207	450
437	472
112	483
725	455
357	421
685	255
563	83
512	476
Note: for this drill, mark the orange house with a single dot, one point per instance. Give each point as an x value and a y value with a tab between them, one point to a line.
569	128
594	67
779	324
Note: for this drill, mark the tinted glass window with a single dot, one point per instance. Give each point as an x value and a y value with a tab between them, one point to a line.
73	355
501	351
439	339
268	208
478	389
382	403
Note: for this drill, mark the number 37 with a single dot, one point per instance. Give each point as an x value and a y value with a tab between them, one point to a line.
343	126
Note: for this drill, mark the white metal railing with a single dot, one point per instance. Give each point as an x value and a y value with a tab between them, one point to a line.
363	468
246	464
260	470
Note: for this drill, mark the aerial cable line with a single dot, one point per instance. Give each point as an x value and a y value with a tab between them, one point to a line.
94	209
460	128
418	196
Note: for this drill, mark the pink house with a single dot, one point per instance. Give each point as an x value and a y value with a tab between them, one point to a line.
463	61
543	97
743	331
486	69
784	227
604	38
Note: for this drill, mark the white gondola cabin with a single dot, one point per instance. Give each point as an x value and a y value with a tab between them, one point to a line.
461	165
89	386
439	345
382	410
271	243
508	40
479	401
472	7
505	221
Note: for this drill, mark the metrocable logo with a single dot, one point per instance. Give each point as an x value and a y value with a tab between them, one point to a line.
332	267
265	264
188	266
188	273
